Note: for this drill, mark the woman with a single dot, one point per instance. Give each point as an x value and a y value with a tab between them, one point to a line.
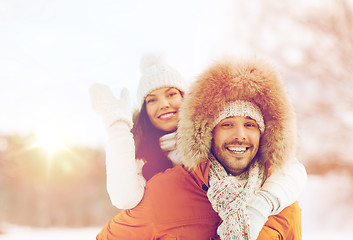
160	93
159	96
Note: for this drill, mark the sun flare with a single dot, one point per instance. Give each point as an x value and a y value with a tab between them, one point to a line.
50	138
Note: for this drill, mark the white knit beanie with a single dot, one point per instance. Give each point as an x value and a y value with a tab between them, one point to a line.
156	73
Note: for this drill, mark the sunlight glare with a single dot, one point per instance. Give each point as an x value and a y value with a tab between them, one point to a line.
50	138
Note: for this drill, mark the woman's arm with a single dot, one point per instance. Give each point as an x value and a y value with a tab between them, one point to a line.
285	185
125	184
279	191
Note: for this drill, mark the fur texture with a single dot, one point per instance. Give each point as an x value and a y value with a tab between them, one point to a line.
251	80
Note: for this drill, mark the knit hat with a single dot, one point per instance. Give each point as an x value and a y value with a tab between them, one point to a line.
156	73
242	109
225	82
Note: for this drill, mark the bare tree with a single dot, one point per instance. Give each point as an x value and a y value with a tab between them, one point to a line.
331	57
328	63
313	46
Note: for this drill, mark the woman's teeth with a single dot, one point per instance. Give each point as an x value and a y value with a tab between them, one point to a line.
168	115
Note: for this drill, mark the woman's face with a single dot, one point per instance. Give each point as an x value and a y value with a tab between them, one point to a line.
162	106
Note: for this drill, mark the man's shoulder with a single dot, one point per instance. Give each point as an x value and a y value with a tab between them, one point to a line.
175	181
287	223
170	176
178	196
179	174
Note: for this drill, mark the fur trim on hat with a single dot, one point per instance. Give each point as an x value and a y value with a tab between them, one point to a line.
252	80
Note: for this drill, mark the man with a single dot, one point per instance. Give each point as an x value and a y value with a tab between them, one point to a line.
236	127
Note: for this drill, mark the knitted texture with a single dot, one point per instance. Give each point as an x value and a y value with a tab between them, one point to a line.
168	145
229	196
259	209
242	109
156	73
110	108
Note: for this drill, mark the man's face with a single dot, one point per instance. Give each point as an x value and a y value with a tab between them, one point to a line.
235	143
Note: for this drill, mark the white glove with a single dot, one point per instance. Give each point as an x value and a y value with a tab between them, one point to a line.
111	109
284	185
259	209
168	145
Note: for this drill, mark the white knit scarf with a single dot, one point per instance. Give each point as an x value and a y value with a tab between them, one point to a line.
229	196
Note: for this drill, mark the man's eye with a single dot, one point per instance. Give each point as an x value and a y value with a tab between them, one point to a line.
226	124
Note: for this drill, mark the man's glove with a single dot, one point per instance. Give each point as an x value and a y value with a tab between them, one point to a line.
111	109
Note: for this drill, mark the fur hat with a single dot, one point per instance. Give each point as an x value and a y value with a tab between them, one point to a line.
252	80
156	73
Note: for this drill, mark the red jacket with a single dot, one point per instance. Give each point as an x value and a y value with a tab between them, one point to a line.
175	206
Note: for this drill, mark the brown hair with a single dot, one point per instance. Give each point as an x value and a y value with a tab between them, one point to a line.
147	146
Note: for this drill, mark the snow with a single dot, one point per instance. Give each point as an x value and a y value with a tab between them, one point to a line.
327	211
27	233
13	232
328	236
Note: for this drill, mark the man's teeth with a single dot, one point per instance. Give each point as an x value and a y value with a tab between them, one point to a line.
168	115
237	149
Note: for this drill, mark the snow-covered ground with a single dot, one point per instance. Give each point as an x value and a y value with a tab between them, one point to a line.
13	232
326	203
327	209
25	233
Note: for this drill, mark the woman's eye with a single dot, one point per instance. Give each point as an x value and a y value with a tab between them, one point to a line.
172	94
151	100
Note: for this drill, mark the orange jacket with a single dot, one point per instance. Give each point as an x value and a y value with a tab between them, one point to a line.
175	206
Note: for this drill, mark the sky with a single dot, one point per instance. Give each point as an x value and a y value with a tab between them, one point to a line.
52	51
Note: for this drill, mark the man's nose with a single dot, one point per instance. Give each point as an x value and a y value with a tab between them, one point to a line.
239	133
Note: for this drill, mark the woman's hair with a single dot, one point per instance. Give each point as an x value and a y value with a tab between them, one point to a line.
147	146
146	138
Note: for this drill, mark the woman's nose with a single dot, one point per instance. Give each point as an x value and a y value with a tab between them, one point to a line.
164	103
